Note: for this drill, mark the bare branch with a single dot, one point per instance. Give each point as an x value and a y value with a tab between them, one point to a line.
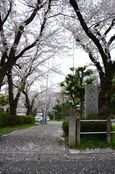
8	13
110	27
111	40
27	48
40	34
21	30
61	14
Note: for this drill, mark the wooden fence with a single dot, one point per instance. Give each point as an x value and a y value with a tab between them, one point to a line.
108	131
72	130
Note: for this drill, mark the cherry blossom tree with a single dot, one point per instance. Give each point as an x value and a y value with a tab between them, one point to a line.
97	21
14	31
18	36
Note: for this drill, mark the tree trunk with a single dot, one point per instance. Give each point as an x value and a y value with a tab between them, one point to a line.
27	104
6	68
11	99
29	110
105	98
74	102
2	75
81	106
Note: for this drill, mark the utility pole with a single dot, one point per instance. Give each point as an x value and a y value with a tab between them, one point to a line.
46	94
73	67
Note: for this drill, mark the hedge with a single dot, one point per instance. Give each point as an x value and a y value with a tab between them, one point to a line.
5	119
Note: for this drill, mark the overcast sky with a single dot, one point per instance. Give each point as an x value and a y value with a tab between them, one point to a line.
75	57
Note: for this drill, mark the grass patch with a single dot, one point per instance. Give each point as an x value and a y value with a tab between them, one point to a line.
55	122
113	126
92	142
113	136
6	130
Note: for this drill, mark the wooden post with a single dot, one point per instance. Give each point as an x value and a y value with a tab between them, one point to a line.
78	131
108	130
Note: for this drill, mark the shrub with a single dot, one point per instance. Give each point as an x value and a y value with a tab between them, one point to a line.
22	119
7	120
4	118
1	118
19	120
65	127
29	119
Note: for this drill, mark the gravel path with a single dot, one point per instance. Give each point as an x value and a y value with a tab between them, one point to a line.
30	143
42	150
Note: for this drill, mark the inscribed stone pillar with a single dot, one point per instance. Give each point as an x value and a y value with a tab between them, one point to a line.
91	99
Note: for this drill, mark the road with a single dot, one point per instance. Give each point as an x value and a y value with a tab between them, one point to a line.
41	149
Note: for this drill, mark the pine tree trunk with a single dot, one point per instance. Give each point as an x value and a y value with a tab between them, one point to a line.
81	106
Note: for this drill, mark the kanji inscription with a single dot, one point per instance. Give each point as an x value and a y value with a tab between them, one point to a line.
91	99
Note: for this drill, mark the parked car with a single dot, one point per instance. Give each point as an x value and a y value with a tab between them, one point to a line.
39	117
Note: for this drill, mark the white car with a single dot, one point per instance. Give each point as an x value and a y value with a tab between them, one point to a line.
39	117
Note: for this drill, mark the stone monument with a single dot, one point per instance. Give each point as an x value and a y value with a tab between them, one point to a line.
91	99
